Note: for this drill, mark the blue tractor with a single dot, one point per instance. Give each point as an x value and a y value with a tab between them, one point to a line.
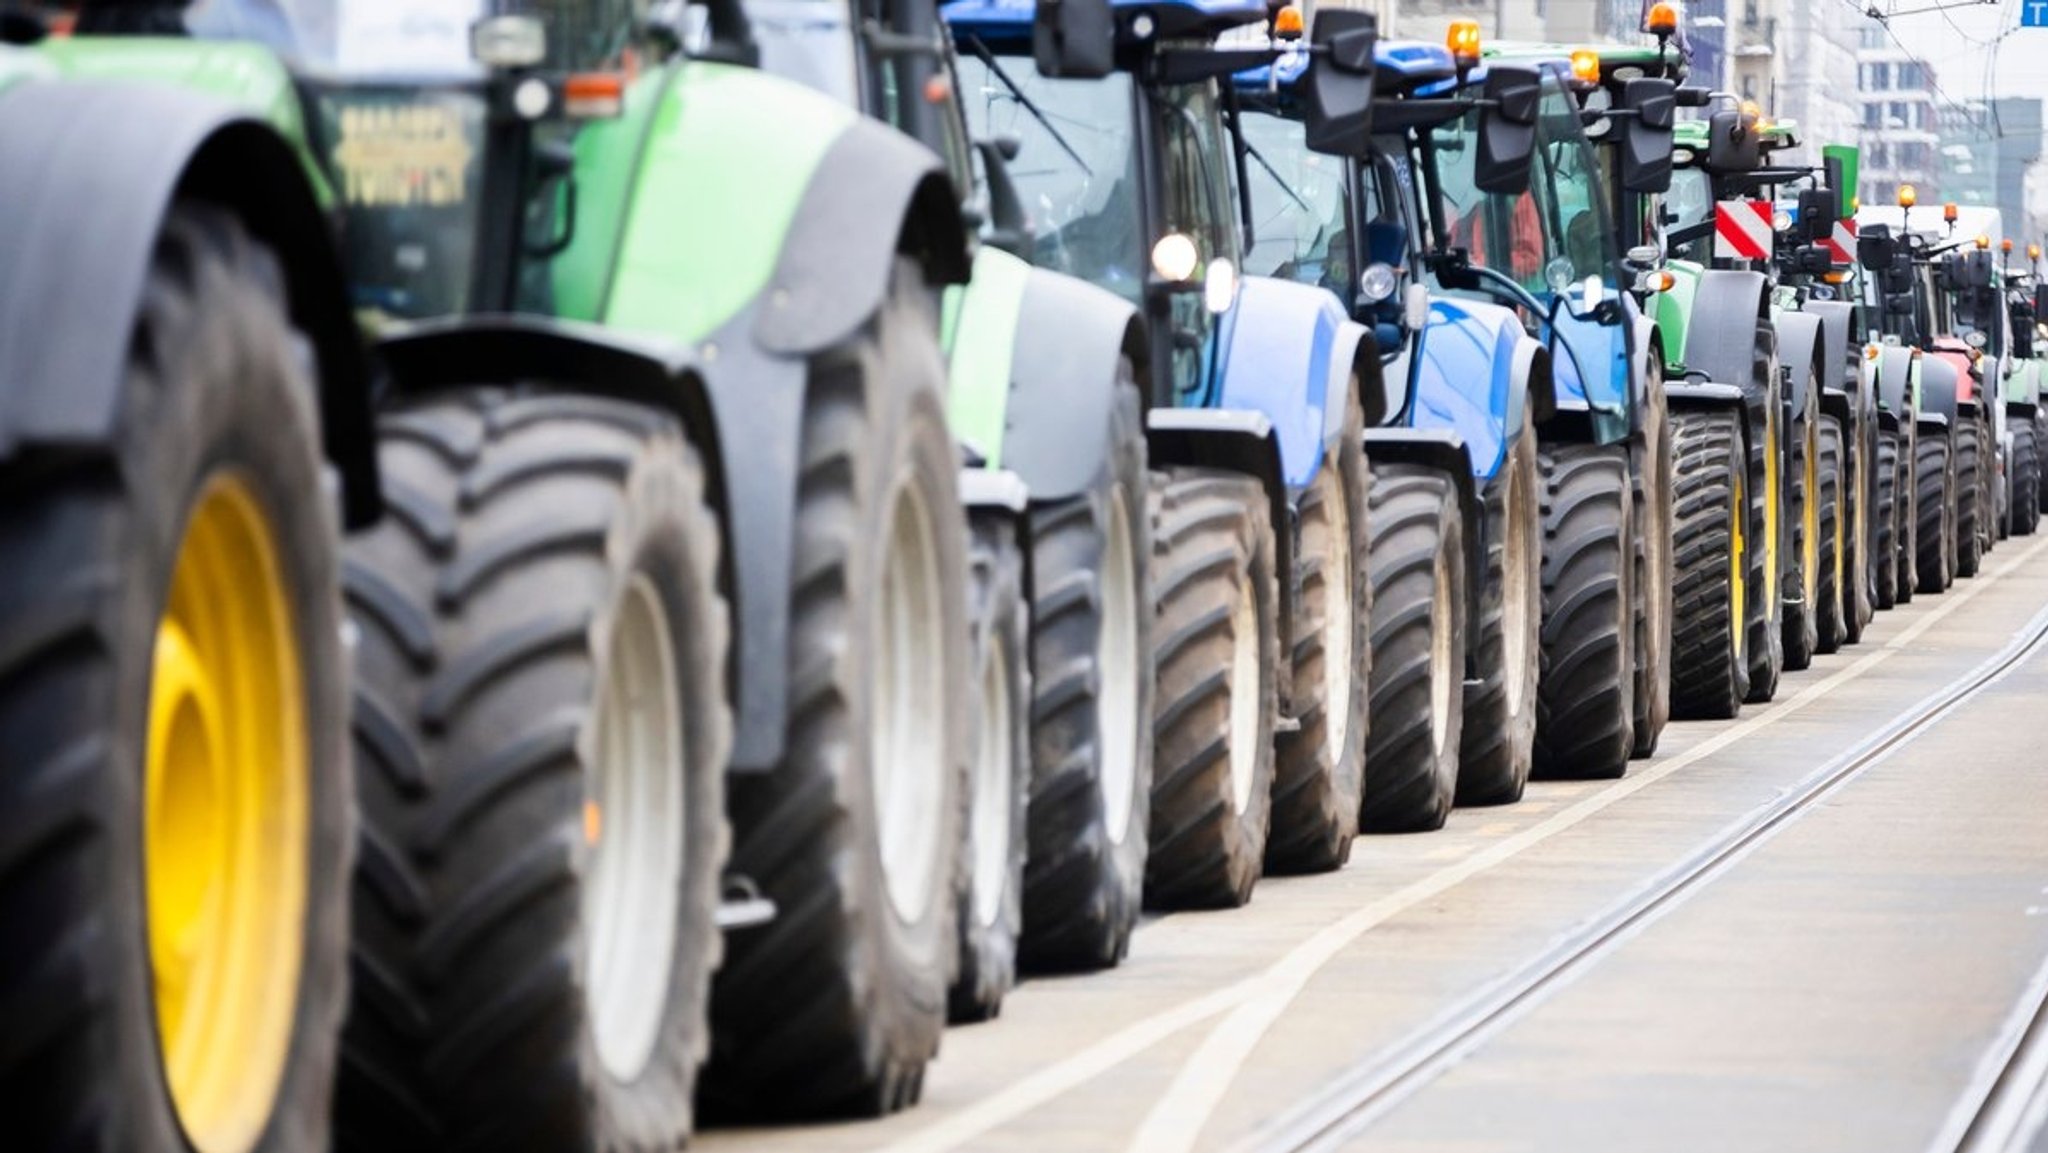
1485	253
1455	497
1126	159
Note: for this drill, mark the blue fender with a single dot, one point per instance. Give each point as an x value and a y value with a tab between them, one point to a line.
1471	378
1063	364
1286	350
1594	370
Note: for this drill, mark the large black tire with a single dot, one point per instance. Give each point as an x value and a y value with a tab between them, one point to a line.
90	544
1770	553
1585	700
2026	479
1499	739
1934	504
836	1006
1906	522
1884	521
1091	717
529	537
1655	577
1857	512
990	879
1971	511
1418	644
1837	605
1710	641
1319	769
1801	627
1217	639
2041	452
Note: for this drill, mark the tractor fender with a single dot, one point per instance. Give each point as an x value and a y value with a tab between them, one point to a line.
833	269
1799	350
1475	369
1894	381
1441	449
1001	496
459	351
2021	409
1288	352
1838	405
1063	376
1938	390
1720	339
1242	441
1836	319
88	172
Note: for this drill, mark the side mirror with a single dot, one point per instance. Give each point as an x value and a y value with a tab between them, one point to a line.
1875	248
1732	145
1074	38
1646	138
1693	96
1337	114
1507	129
1817	213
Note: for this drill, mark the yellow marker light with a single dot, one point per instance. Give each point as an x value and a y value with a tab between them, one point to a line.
1870	352
2033	252
1835	277
1752	111
1948	212
1463	40
1287	22
1586	65
1663	21
2005	245
594	95
1855	205
1983	243
1908	196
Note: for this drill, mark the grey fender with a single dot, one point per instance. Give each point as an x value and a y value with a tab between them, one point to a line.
88	173
1894	382
833	271
2021	409
1354	363
1721	335
1243	441
1799	350
1063	375
1937	391
485	350
1837	317
1442	450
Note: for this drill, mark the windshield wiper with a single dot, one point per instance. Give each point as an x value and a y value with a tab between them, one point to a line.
988	58
1252	150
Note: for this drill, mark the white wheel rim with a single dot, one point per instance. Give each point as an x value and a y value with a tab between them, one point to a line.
1244	694
1116	662
907	758
1337	625
994	779
634	824
1524	611
1440	666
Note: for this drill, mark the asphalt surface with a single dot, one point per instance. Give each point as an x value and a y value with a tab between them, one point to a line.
1823	925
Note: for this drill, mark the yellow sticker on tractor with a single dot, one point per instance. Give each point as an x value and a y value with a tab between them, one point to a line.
403	156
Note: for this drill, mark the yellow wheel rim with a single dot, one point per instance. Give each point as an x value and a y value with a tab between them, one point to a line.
1738	566
225	815
1809	516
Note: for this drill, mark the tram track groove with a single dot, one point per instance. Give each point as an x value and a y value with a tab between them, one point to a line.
2005	1105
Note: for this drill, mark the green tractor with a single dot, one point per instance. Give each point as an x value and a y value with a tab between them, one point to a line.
653	551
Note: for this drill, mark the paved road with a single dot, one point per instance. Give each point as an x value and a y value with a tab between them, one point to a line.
1669	961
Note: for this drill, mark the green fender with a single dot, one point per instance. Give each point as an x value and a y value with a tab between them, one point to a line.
981	334
1674	313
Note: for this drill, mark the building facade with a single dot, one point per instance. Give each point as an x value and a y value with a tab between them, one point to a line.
1901	129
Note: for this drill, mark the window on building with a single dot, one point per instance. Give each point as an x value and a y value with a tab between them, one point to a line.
1873	115
1749	87
1912	76
1879	78
1902	114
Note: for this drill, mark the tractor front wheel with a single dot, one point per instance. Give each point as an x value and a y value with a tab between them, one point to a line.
1585	705
1837	605
1500	707
1710	543
2026	479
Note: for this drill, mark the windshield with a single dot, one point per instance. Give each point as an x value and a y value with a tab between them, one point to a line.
1076	167
1497	231
1300	207
414	38
1689	205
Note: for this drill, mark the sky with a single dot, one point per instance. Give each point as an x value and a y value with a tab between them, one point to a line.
1969	42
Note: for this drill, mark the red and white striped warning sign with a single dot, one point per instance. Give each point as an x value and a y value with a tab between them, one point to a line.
1742	230
1842	245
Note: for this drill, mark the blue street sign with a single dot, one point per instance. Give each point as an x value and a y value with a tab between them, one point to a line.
2034	13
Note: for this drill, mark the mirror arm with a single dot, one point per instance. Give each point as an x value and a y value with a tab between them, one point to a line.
1233	112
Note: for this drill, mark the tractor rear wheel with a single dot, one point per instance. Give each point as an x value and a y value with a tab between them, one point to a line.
174	796
1802	602
1418	644
1933	499
1710	543
543	728
1091	709
1970	508
2026	479
1500	707
1906	529
1216	649
1770	559
1585	706
1655	574
836	1006
1837	605
991	874
1319	769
